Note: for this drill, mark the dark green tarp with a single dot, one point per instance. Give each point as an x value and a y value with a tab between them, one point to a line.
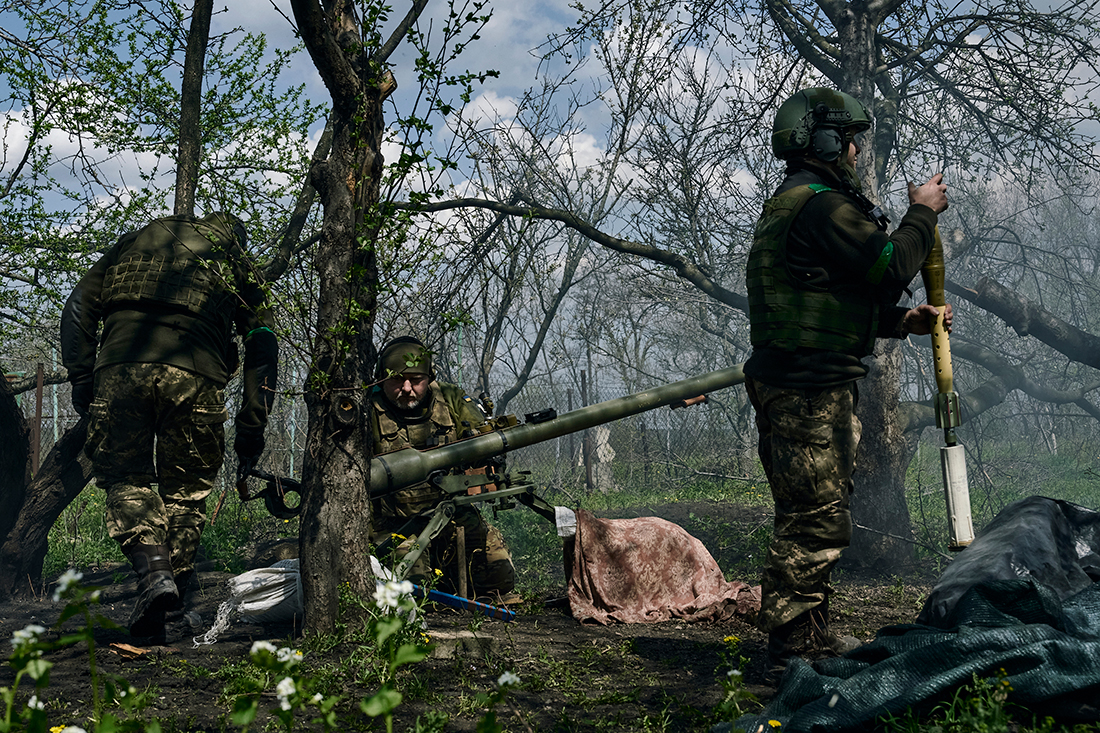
1022	599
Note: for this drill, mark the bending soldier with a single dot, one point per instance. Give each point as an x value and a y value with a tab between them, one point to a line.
823	281
168	297
410	408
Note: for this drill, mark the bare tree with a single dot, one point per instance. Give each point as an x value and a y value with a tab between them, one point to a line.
990	89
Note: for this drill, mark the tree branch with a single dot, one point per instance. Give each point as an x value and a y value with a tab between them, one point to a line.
1029	319
400	32
328	55
915	416
681	265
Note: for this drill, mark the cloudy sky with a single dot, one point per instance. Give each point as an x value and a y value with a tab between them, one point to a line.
517	27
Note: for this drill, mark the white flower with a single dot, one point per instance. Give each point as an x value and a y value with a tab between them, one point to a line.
94	596
73	729
35	704
26	636
283	691
68	579
734	673
317	698
262	646
286	654
389	596
508	679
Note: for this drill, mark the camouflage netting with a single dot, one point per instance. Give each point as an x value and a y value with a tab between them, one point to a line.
1022	599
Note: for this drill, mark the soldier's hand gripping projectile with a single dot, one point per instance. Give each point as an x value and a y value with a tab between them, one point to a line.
952	455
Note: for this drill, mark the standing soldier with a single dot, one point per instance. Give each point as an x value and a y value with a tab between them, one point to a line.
410	408
824	278
168	297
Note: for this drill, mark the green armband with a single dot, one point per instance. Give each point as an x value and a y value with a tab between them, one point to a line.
261	328
874	275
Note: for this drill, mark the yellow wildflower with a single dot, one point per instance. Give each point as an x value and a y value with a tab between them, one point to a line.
774	723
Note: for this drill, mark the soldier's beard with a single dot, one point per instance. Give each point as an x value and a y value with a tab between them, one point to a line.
848	171
409	403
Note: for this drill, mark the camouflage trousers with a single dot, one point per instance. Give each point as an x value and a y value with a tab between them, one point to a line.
808	441
156	441
489	566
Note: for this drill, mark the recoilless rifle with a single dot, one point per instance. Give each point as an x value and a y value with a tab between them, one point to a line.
445	466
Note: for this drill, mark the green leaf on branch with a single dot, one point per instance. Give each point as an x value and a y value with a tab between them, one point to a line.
39	669
387	627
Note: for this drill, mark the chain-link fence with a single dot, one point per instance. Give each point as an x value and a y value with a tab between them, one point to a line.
666	449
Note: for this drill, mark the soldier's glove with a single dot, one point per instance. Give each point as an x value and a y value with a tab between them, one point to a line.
248	447
82	396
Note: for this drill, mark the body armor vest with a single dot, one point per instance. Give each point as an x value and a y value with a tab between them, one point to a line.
189	285
175	265
784	313
437	429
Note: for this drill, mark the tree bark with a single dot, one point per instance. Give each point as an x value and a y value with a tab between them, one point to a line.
190	148
879	499
15	464
335	520
62	476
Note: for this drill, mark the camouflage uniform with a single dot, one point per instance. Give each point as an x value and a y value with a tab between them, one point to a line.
823	280
489	564
165	503
807	446
168	297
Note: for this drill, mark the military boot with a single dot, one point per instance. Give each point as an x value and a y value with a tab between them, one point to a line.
807	635
156	590
184	592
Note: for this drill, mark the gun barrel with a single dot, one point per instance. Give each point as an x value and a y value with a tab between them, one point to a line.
411	466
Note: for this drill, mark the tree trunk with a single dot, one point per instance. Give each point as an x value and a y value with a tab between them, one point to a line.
879	499
62	476
15	465
335	519
190	149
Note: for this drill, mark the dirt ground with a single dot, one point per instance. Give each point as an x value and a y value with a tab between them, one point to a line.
573	678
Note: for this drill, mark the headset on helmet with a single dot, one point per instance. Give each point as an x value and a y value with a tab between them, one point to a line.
815	121
394	358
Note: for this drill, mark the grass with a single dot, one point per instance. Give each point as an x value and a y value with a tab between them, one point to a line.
998	477
983	706
79	539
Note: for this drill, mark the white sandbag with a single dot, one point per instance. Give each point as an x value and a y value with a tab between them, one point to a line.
268	595
263	595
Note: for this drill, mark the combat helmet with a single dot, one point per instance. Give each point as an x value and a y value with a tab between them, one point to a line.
815	122
404	355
